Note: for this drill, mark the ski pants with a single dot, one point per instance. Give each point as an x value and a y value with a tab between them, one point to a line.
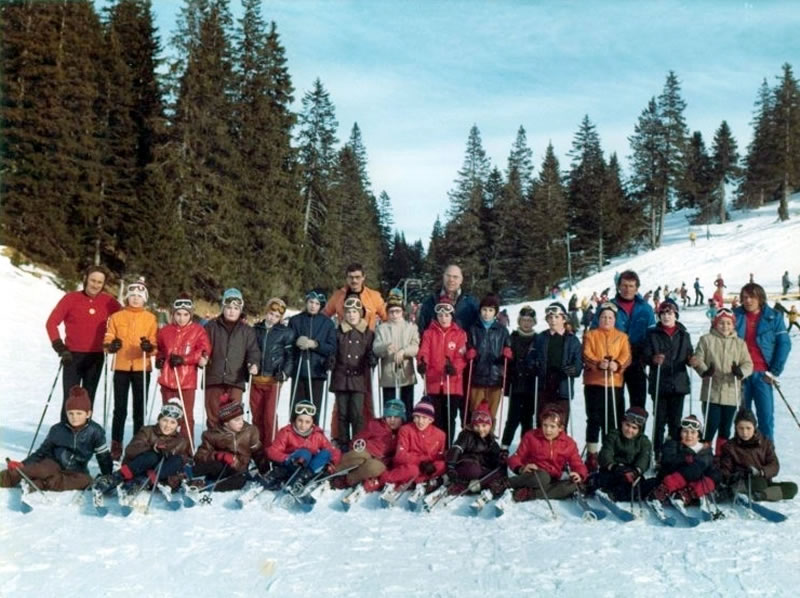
366	465
410	471
187	425
138	386
214	470
406	395
445	418
720	420
84	370
149	460
48	475
555	489
212	398
596	411
670	412
315	463
350	415
699	298
467	470
263	406
756	389
614	484
675	481
520	413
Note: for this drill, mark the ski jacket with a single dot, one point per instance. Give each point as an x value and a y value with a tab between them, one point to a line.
469	446
676	350
599	343
244	445
487	368
739	455
149	436
571	355
520	374
129	325
288	441
372	301
548	455
84	320
678	458
73	449
437	345
405	337
618	450
190	342
467	311
277	349
353	367
722	352
771	336
380	438
320	328
231	353
415	446
635	326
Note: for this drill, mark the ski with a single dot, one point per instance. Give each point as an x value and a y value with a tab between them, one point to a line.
416	497
680	506
661	515
353	497
619	512
481	501
588	513
99	502
173	502
26	504
435	498
391	494
248	495
759	509
501	504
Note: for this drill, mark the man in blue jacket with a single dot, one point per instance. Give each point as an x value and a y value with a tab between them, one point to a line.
634	317
764	332
467	310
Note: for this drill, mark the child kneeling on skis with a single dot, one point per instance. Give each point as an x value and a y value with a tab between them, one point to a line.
227	449
749	458
541	458
300	450
687	467
420	449
373	448
475	461
60	463
156	452
625	456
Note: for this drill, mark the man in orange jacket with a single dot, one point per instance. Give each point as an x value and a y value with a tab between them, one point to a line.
371	300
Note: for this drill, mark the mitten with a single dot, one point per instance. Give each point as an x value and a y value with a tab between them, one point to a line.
175	360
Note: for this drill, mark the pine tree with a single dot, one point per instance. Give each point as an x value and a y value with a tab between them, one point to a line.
436	259
649	168
787	130
386	222
697	186
671	107
725	165
761	179
624	221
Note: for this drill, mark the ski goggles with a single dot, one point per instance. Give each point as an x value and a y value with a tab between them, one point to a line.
724	312
353	303
444	308
305	409
690	424
608	305
554	311
173	411
316	296
276	304
137	288
635	418
186	304
233	302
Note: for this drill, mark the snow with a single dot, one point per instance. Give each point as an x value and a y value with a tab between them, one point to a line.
214	551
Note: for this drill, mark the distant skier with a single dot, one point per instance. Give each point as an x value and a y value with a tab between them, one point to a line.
698	293
786	282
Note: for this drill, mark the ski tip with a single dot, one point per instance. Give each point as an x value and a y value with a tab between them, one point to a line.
25	508
126	511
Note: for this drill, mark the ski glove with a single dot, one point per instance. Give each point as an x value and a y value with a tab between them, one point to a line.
421	368
161	448
508	353
736	370
64	353
145	345
427	467
449	369
503	457
472	353
302	343
160	362
225	457
12	465
709	373
756	472
175	360
658	359
630	476
569	370
114	346
279	376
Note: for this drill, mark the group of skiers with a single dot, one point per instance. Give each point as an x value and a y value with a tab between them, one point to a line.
468	362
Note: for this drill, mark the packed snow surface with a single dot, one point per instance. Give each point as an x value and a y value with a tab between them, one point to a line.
370	551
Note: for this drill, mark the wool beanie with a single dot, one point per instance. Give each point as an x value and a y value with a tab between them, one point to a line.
173	409
232	295
491	300
667	305
138	288
637	415
183	301
425	408
229	408
481	415
394	408
78	400
444	302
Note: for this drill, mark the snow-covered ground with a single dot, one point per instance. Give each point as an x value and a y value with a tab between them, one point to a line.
217	551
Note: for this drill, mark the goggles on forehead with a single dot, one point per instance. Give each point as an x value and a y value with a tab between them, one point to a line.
233	302
352	303
608	305
305	409
443	308
553	311
137	288
690	424
277	302
172	411
182	304
635	418
724	311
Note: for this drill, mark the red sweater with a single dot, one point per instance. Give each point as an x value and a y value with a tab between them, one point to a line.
751	340
84	320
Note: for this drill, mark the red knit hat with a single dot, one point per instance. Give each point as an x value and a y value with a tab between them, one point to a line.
78	400
229	408
481	415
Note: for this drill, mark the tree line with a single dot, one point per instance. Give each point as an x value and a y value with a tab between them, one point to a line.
196	172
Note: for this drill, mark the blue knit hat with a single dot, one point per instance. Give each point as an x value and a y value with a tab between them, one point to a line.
232	295
394	408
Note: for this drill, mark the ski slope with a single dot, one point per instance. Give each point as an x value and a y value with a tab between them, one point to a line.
217	551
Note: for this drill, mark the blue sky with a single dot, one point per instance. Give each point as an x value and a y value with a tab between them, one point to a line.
417	75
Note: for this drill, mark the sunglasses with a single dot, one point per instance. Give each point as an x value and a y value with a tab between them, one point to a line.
182	304
172	411
305	409
233	302
443	308
690	424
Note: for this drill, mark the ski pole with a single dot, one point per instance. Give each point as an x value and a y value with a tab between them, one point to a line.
246	396
466	398
155	485
144	383
736	387
25	477
544	493
310	388
152	403
569	386
46	405
378	373
777	386
203	390
657	426
605	401
189	433
502	395
614	402
296	381
449	437
326	385
708	406
105	392
275	412
536	401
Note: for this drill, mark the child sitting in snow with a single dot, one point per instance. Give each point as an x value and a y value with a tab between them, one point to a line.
475	461
541	458
687	470
625	456
420	449
300	445
227	449
60	463
750	457
153	447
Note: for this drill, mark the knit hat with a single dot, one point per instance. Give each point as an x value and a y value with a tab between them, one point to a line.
173	409
724	312
481	415
527	310
78	400
276	304
229	408
425	408
636	415
444	304
138	289
667	305
183	301
394	408
556	308
317	295
745	415
491	300
232	296
395	299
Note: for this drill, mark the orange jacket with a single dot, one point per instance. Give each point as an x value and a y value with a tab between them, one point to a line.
599	343
129	326
371	300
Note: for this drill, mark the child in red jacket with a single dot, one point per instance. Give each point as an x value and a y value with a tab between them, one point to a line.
441	362
420	449
541	458
300	444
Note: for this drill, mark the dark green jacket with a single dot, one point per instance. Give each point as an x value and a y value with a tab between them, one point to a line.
618	450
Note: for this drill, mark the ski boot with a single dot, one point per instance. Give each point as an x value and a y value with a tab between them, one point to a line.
300	481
